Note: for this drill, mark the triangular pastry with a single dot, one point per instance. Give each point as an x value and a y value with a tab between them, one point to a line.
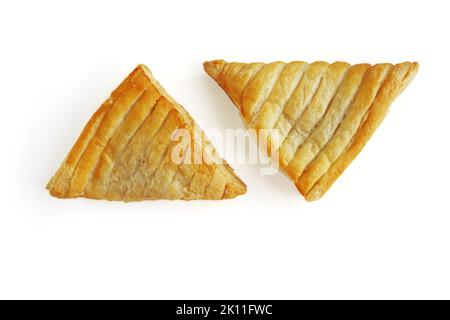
323	113
125	151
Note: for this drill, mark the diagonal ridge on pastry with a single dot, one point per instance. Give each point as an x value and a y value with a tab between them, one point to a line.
324	113
125	151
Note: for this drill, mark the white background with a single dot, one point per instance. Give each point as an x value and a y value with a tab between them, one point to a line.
382	231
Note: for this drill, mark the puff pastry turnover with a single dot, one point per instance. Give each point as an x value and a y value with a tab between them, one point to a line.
124	151
324	113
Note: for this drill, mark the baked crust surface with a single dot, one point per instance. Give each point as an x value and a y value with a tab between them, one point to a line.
125	151
324	113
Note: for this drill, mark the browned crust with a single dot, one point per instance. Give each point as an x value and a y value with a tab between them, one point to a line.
326	162
397	80
85	172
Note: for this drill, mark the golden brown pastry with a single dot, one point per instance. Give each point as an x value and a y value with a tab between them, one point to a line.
324	113
125	151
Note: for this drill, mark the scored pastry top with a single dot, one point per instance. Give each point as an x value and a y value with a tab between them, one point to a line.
323	113
125	151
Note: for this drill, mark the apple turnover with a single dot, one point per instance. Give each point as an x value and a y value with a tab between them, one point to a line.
126	150
323	113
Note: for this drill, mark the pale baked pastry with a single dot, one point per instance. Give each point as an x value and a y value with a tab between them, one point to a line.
125	151
324	113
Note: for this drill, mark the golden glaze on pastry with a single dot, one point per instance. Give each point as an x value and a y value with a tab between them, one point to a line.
124	151
325	113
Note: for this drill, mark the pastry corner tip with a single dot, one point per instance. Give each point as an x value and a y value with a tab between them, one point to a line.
234	190
415	66
54	193
310	195
243	189
144	68
313	196
214	67
50	184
